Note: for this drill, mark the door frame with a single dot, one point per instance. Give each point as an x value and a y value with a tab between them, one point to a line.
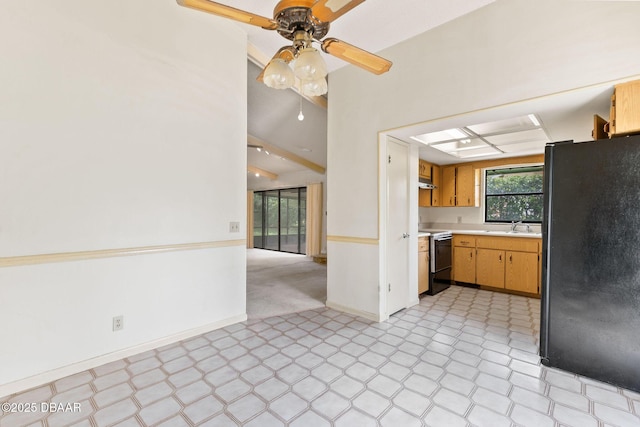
383	207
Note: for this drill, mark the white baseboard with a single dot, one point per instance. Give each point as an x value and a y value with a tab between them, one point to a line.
365	314
412	303
65	371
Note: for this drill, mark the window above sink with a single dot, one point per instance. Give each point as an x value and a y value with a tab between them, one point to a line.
514	194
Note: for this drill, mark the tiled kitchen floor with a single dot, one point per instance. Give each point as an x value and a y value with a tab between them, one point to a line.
465	357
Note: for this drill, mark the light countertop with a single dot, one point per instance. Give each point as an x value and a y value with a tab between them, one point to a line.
530	235
489	233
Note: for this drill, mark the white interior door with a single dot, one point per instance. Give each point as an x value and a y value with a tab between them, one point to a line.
397	234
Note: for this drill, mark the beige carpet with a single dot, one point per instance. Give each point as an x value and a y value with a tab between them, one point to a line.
280	283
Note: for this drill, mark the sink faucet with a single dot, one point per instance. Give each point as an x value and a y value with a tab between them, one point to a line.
515	225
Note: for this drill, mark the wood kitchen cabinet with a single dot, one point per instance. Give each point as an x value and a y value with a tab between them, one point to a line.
521	272
424	169
511	263
448	192
464	260
423	264
424	197
459	186
427	198
435	178
624	118
465	186
490	267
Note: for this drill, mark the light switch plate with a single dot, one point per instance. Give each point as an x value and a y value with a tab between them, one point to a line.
234	227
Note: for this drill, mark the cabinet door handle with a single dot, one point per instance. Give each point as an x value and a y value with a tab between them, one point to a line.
510	258
471	255
500	257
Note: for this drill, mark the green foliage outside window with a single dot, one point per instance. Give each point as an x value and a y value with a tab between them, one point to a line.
514	194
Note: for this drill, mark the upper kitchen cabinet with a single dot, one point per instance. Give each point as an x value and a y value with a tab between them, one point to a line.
427	197
435	178
625	109
448	192
466	189
460	186
424	169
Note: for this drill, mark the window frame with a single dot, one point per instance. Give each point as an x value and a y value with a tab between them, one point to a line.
511	168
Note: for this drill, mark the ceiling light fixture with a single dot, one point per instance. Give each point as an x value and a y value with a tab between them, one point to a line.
309	68
301	22
534	120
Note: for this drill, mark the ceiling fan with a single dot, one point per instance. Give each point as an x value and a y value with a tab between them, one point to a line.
302	22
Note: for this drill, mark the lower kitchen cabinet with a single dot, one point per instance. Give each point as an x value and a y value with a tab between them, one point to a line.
465	265
509	263
464	260
490	268
521	272
423	264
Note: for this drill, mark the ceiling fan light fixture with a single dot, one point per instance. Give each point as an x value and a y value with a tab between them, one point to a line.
315	87
278	75
309	65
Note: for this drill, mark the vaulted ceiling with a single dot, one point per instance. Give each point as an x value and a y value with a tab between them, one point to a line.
375	25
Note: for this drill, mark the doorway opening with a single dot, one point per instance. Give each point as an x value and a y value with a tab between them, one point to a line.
279	220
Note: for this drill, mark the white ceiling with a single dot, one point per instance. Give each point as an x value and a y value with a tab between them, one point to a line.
375	25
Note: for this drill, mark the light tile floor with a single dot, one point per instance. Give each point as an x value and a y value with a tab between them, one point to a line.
465	357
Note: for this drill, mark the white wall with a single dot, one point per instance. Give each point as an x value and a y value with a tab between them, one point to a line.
120	127
505	52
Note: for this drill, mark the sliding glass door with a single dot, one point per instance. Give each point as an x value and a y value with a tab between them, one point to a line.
279	220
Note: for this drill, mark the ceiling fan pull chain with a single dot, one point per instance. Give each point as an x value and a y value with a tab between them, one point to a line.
300	115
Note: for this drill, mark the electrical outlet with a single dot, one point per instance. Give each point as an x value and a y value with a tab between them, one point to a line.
234	227
459	220
118	323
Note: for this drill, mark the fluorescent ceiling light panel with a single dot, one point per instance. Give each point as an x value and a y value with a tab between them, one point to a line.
523	147
514	124
478	152
450	147
534	120
443	135
533	135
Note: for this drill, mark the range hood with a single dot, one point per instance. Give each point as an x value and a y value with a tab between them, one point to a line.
426	184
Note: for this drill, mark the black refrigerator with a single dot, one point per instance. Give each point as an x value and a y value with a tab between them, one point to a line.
590	316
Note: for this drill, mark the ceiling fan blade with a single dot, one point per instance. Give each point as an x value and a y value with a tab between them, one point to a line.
356	56
287	54
230	12
330	10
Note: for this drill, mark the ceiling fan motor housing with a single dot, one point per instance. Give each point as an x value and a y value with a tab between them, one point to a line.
295	16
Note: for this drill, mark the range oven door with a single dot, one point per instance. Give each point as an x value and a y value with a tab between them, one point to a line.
440	253
440	269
